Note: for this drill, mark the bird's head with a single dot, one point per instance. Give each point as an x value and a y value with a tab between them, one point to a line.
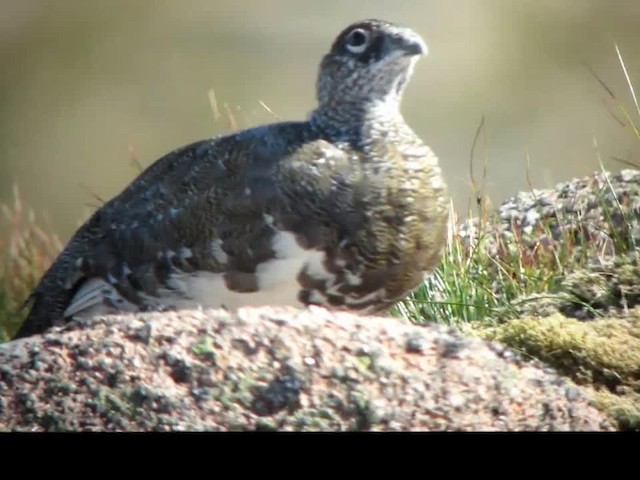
368	65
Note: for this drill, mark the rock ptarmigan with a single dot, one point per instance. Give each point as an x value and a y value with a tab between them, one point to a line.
346	210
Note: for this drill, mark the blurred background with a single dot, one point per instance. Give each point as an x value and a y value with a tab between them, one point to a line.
86	85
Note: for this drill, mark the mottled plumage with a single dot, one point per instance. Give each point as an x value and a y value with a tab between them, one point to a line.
346	210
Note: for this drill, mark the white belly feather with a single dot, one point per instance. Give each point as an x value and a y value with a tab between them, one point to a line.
276	280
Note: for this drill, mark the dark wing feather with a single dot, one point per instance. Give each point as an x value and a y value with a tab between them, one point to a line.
187	199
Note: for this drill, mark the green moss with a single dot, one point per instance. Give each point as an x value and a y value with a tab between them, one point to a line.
364	361
623	409
603	354
204	349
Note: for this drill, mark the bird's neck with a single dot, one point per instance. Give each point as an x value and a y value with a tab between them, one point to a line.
347	118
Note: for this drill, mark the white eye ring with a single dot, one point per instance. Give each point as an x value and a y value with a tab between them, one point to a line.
357	40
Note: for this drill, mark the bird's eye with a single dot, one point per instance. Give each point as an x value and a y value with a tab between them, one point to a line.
357	40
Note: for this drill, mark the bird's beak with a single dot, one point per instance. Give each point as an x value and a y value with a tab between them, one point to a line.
409	42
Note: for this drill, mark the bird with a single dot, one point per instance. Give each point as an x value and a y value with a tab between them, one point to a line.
346	209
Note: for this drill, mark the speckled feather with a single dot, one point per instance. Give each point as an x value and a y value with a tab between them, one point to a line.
346	210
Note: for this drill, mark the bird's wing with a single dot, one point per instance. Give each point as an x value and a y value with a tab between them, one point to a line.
207	207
